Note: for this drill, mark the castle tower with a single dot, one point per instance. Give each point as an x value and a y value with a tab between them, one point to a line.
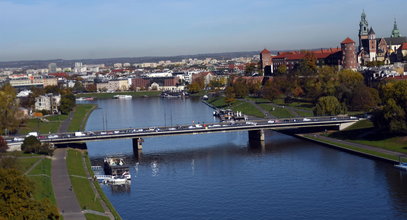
348	54
372	45
395	32
266	63
363	30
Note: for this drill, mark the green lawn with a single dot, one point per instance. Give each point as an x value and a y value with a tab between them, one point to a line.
90	216
304	114
110	95
245	107
277	112
42	127
374	153
363	132
23	164
44	167
80	116
80	184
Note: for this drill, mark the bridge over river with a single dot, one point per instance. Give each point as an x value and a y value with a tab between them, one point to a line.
254	127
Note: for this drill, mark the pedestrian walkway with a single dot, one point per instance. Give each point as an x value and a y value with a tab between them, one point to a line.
65	124
66	199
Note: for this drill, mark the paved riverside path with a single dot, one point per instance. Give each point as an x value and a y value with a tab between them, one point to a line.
66	199
362	146
65	124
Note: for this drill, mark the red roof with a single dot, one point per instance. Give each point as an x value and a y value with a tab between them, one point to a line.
348	41
264	51
404	46
298	55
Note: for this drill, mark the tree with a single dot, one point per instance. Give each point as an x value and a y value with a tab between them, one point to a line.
329	105
16	201
393	115
230	95
78	87
364	98
9	119
240	88
250	68
30	145
348	81
55	90
67	102
281	70
91	88
3	145
197	85
270	91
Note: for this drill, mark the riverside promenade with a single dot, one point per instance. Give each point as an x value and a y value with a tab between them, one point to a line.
65	197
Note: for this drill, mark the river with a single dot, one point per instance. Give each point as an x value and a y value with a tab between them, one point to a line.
223	176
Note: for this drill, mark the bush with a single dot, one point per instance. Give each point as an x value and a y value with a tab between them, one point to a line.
32	145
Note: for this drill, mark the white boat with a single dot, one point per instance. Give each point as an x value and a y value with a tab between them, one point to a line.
401	165
122	97
116	167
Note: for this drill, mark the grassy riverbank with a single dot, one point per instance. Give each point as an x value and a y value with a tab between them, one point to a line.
239	105
100	191
80	183
363	132
80	116
82	186
106	95
50	124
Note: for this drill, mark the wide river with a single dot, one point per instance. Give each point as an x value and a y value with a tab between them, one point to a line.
222	176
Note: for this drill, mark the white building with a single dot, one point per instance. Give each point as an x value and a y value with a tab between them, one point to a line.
48	102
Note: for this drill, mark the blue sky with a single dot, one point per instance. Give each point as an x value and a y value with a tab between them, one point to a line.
75	29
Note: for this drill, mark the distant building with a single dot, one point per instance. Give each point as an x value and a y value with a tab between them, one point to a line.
48	102
52	68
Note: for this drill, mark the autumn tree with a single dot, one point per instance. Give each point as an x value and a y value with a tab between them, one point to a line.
32	145
16	200
270	91
9	118
197	85
348	81
230	96
364	98
329	105
250	68
240	88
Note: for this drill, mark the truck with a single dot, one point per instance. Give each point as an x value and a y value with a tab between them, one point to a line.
33	133
79	134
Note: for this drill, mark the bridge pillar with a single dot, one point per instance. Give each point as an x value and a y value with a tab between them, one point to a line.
137	144
256	135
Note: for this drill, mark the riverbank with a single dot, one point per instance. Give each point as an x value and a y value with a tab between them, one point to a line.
106	95
87	190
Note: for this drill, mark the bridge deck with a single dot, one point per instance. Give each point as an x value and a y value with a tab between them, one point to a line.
276	124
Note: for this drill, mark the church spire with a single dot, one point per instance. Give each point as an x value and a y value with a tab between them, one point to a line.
363	25
395	32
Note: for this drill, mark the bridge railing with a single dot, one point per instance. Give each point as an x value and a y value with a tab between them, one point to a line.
50	137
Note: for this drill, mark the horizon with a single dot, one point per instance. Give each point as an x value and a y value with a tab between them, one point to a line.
75	30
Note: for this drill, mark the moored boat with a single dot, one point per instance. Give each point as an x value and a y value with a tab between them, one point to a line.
122	97
116	167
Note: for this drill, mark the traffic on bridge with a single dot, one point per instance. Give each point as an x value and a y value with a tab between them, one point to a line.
196	128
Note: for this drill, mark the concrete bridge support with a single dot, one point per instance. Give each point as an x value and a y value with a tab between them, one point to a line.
137	146
256	135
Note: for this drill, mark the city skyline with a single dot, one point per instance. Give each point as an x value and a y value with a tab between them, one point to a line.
35	29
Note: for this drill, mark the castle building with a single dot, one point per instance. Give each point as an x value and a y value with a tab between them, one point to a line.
377	49
266	62
349	60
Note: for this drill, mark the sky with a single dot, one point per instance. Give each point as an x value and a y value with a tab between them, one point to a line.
80	29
